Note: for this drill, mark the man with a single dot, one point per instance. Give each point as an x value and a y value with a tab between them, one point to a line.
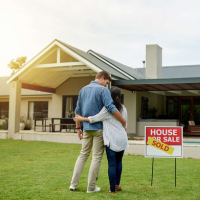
91	100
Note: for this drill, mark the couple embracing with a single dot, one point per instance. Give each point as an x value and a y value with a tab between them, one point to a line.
104	121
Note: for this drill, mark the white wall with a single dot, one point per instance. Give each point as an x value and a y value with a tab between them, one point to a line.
130	104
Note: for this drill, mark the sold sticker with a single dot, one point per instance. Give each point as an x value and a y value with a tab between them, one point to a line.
160	145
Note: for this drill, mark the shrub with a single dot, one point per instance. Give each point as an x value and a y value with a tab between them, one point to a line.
28	125
23	119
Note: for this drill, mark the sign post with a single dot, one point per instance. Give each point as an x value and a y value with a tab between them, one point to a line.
163	142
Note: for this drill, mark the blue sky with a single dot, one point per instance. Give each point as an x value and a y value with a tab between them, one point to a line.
119	29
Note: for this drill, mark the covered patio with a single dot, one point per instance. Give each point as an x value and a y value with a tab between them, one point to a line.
176	100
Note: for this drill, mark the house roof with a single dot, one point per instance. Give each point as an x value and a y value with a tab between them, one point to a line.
85	65
121	67
5	88
47	76
100	64
182	71
159	84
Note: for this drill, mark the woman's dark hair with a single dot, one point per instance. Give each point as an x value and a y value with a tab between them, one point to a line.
116	96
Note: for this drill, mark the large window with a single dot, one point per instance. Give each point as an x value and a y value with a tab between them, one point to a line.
185	108
172	105
37	109
4	109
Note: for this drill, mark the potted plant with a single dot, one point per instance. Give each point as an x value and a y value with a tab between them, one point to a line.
5	124
152	113
28	124
22	122
70	114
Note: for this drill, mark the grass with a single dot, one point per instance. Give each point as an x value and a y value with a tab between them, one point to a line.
42	170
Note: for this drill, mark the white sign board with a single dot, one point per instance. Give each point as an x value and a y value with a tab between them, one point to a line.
164	141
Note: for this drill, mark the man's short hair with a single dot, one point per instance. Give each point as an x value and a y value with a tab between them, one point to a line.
105	74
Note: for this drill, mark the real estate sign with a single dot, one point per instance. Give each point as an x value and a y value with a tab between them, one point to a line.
164	141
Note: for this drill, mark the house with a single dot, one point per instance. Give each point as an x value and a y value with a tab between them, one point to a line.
48	85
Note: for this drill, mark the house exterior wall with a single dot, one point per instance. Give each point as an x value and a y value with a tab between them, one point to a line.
25	100
72	86
141	125
130	103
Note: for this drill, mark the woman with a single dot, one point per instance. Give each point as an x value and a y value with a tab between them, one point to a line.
115	138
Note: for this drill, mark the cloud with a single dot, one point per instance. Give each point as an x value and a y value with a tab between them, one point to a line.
118	29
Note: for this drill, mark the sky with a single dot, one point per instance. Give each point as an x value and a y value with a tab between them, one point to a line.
118	29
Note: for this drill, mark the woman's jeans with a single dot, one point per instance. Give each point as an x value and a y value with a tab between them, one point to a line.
114	167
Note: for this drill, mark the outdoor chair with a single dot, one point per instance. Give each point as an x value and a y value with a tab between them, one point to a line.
64	124
40	122
193	129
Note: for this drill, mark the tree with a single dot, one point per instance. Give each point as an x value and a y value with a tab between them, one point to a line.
17	64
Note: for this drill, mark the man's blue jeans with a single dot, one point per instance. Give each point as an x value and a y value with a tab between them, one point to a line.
114	167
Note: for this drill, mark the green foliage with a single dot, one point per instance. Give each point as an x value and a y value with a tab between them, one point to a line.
196	112
152	113
6	119
16	64
43	170
23	119
1	126
185	114
27	125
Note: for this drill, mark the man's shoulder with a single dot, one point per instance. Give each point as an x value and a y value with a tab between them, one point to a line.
93	85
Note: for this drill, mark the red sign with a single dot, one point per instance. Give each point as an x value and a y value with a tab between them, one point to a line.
167	135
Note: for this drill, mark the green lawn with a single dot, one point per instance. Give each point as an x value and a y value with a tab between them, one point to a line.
42	170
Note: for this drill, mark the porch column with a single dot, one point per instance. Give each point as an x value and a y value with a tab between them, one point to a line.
14	108
56	105
134	115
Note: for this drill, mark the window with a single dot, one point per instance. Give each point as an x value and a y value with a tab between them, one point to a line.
144	107
196	110
37	109
69	105
172	105
4	109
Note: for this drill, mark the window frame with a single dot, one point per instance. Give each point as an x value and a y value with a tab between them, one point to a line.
42	109
1	109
